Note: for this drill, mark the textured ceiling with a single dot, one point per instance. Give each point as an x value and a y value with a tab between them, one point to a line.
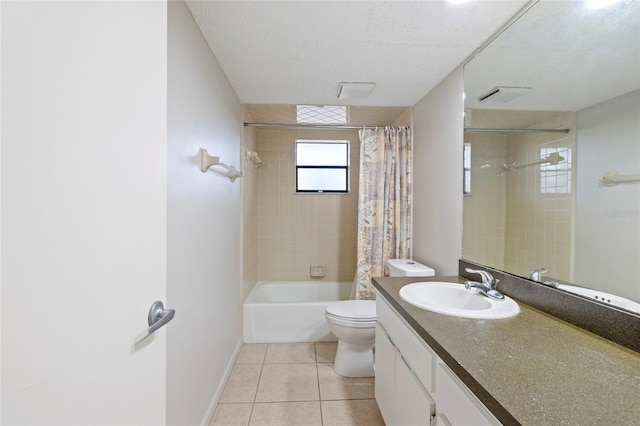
571	56
296	52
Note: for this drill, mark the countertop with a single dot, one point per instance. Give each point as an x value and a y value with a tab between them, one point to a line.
531	369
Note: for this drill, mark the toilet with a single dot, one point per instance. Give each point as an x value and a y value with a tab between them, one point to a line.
408	268
353	322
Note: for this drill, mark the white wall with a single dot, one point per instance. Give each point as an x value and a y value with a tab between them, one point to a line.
83	211
203	261
437	176
608	139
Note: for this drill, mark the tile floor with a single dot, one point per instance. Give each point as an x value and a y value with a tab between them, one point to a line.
281	384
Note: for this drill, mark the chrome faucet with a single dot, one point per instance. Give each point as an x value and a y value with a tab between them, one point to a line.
536	275
488	285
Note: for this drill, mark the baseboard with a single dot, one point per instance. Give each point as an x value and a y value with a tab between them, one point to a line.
208	415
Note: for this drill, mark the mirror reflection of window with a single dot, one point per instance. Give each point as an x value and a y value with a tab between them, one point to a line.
466	167
556	178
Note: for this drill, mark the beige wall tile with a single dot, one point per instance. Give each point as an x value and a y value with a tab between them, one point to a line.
484	219
509	222
297	230
249	201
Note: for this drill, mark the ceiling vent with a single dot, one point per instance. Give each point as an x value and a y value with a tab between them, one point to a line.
354	90
503	94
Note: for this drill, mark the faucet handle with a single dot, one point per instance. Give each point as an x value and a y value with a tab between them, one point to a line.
487	278
494	283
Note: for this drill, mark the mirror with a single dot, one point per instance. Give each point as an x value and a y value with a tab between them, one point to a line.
552	145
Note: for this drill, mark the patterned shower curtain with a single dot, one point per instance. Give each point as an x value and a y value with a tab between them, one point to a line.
384	206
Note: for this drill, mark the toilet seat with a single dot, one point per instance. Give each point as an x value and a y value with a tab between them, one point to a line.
353	310
346	322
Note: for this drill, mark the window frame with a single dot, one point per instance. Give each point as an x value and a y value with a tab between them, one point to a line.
346	168
555	170
466	171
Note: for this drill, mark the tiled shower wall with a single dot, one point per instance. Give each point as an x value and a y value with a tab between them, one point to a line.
485	209
295	231
539	223
510	221
249	184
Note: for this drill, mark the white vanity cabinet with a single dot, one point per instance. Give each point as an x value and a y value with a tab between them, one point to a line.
401	397
413	386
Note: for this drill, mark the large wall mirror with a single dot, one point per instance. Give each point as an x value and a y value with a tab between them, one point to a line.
552	150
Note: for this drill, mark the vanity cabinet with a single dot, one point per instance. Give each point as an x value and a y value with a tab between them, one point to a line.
413	385
401	397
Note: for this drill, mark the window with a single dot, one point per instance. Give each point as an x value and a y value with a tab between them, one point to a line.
311	114
322	166
556	178
466	169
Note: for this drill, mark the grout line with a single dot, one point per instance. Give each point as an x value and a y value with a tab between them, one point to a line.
255	395
319	400
315	351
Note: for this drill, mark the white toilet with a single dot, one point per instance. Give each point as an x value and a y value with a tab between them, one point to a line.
354	321
408	268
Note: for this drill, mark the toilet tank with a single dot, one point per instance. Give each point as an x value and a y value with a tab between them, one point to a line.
408	268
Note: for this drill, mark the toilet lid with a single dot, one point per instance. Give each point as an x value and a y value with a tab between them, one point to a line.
359	310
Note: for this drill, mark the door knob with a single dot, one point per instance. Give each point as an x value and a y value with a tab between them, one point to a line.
159	316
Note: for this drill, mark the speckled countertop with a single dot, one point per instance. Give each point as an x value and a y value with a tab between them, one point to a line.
532	369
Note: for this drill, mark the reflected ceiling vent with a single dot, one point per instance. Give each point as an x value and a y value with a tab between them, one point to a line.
503	94
354	90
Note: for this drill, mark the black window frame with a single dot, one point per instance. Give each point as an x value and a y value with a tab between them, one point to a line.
346	168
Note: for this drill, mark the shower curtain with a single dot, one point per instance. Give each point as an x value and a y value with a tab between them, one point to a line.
384	205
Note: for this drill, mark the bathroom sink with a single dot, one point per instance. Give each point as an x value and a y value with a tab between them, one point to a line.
454	299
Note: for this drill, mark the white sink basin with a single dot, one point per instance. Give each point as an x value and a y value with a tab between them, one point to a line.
456	300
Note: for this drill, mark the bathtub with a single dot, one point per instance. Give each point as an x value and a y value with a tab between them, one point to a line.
600	296
291	311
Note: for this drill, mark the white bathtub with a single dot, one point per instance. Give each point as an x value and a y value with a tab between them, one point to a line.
291	311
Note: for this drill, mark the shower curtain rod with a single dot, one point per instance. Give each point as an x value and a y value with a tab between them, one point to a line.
481	130
311	126
349	127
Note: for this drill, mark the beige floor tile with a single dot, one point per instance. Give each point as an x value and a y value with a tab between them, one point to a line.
231	415
288	382
252	353
283	353
242	384
355	412
333	386
326	351
286	414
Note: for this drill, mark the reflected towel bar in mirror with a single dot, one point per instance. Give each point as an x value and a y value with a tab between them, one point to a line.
612	178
